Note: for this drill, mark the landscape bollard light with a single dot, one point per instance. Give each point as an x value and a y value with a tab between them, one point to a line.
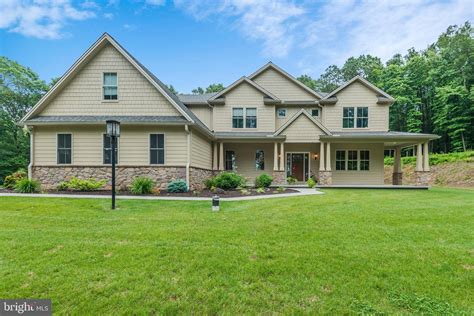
215	203
113	131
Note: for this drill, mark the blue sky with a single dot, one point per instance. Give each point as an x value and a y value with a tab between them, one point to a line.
194	43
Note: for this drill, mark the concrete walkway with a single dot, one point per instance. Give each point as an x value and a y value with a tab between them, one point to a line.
301	192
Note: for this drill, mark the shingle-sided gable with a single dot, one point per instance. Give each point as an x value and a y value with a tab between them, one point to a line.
281	86
302	130
82	95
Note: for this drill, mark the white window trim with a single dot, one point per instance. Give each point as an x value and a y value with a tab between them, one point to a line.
284	116
102	98
72	149
118	151
355	117
346	160
164	149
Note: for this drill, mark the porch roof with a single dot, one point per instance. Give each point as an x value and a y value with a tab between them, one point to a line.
390	138
99	119
248	136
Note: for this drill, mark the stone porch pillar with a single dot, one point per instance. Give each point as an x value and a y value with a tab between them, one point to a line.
221	156
397	176
214	160
325	174
282	156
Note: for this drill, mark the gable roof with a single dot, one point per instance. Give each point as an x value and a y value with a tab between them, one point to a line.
285	74
244	80
297	115
365	83
91	51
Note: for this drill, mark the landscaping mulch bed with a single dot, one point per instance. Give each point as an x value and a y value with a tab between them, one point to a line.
204	193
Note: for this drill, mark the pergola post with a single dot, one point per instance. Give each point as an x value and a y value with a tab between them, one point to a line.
282	156
419	158
397	167
328	157
426	157
275	156
321	157
221	156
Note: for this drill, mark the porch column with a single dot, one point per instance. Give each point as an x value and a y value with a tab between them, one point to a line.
275	156
221	156
282	156
328	157
397	175
419	158
426	157
214	161
321	156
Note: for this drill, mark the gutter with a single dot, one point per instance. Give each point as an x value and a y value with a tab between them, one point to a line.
32	156
188	152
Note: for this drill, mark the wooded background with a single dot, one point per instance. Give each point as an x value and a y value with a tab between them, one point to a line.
432	88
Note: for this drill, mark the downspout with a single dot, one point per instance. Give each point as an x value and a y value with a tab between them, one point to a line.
188	152
32	156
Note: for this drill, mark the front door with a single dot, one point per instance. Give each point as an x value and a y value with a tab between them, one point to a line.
298	166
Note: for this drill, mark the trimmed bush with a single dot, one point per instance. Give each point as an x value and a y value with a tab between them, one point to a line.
311	183
142	185
85	184
291	180
210	183
12	179
63	186
229	180
27	186
263	181
177	186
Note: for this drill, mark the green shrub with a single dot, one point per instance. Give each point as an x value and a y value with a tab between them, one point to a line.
177	186
311	183
85	184
263	181
229	180
12	179
291	180
281	189
27	186
436	159
209	183
142	185
62	186
260	190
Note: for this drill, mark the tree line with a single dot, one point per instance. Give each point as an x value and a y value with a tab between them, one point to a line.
432	88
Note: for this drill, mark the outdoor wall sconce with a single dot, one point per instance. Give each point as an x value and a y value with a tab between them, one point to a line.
316	156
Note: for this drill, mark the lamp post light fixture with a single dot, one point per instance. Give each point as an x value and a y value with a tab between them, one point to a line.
113	131
215	203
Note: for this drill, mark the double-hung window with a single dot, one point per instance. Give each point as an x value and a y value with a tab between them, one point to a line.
238	117
64	148
362	117
251	117
110	86
364	161
352	160
107	141
259	160
355	116
157	149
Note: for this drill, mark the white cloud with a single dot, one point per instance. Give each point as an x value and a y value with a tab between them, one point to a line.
90	5
336	29
39	18
272	22
155	2
129	27
109	16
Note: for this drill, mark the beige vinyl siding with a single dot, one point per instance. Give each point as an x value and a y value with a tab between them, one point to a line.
87	144
204	114
291	111
281	86
375	173
356	95
302	130
244	96
83	94
245	158
201	151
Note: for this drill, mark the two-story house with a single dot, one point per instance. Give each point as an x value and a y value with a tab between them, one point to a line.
267	122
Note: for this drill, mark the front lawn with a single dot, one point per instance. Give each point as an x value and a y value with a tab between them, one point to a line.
348	251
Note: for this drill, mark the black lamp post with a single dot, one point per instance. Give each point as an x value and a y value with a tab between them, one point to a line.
113	131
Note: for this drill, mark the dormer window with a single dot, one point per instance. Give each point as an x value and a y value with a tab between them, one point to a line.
110	86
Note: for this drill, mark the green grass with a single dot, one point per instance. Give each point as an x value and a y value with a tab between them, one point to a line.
436	159
345	252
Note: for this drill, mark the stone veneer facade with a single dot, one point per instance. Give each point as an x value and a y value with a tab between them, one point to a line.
325	178
278	177
422	177
51	176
